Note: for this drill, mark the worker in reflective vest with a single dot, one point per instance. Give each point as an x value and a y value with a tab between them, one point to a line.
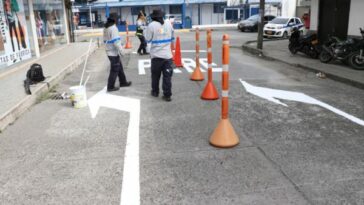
114	51
141	25
160	34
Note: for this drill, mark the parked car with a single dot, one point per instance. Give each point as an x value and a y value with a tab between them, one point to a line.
251	24
174	18
282	27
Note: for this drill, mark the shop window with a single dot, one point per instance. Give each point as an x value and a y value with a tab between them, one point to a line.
135	10
219	7
49	20
175	9
14	35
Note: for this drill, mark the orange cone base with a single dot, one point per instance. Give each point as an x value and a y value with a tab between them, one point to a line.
210	92
128	45
179	65
224	135
197	75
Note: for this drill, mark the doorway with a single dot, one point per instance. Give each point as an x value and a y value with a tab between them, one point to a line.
334	19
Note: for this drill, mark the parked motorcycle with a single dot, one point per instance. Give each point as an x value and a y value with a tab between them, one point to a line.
356	60
349	52
306	44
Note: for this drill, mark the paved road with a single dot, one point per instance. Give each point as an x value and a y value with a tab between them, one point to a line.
295	154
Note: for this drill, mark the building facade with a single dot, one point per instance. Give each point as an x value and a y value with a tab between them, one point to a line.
341	18
185	13
30	28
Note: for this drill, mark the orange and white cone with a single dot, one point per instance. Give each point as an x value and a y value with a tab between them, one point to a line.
197	74
128	43
224	134
210	91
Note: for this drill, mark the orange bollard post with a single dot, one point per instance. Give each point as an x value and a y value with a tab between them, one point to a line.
177	54
210	91
197	74
128	43
224	134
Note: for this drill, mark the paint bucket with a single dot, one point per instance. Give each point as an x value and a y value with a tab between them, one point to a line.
78	96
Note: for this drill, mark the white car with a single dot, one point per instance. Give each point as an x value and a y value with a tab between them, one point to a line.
282	27
174	18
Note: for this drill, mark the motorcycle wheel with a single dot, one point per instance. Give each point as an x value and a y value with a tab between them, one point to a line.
292	48
325	57
356	61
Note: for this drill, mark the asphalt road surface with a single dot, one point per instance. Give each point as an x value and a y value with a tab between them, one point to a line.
297	154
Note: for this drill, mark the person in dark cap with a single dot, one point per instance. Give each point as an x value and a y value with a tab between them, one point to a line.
141	25
160	34
114	51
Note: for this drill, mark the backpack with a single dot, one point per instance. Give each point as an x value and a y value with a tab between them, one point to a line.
34	75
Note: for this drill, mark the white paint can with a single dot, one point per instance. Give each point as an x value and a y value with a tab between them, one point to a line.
78	96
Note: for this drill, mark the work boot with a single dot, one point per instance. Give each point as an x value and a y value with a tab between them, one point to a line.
113	89
154	94
168	99
127	84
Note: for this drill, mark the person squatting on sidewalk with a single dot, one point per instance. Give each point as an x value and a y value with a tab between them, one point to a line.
114	51
141	25
160	35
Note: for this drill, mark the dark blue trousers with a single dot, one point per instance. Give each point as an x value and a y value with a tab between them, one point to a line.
116	70
162	66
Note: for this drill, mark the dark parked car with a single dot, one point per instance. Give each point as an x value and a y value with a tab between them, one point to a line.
251	24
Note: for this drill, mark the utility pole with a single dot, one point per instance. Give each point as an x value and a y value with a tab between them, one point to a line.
261	24
72	23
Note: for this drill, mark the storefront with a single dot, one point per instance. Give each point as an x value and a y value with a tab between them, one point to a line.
29	28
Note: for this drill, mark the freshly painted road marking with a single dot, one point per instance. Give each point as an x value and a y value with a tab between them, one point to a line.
130	191
184	51
273	95
188	64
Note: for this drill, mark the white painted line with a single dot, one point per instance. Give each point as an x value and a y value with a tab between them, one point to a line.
183	51
142	64
272	94
188	64
130	191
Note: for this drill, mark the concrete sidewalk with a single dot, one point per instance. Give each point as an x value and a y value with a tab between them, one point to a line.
56	64
278	50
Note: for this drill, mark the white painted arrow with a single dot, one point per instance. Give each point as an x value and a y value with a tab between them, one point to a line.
130	191
273	95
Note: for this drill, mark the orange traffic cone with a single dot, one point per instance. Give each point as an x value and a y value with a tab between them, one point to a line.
210	91
224	135
128	43
197	74
177	54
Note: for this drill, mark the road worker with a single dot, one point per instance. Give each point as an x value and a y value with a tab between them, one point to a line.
160	34
114	51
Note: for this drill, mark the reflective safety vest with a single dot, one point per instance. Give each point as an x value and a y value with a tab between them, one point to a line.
112	41
140	27
160	36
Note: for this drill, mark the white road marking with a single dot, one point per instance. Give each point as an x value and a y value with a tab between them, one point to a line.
142	64
184	51
188	64
272	94
130	191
